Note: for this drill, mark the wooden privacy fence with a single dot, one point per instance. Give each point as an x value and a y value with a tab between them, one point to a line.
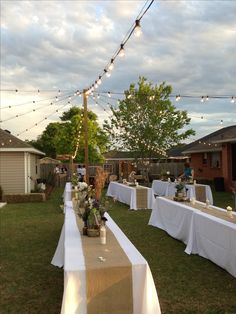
158	169
47	174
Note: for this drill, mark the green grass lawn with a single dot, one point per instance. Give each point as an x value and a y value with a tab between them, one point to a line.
30	284
29	235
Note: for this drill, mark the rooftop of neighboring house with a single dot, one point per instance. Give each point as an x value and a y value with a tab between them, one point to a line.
212	142
11	143
174	153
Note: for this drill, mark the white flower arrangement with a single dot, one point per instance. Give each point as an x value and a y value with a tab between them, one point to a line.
82	186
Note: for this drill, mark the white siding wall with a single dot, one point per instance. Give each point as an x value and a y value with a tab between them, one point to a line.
34	161
12	172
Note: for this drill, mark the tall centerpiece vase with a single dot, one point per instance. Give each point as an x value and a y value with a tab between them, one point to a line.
103	234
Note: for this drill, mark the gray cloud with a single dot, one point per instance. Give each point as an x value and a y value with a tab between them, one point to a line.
66	44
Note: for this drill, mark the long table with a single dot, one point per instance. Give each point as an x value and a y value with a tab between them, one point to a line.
128	194
165	188
204	234
69	254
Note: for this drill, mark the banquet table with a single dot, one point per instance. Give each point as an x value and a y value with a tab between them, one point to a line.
67	192
204	234
128	194
165	188
70	255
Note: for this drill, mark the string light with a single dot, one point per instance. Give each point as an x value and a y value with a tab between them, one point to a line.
232	99
45	118
111	66
202	99
108	74
99	80
177	97
122	51
137	30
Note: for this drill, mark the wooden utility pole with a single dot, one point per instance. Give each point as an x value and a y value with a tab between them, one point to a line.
86	135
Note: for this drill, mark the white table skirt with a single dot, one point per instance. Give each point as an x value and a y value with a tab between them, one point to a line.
127	194
214	239
174	218
165	188
67	192
203	234
69	253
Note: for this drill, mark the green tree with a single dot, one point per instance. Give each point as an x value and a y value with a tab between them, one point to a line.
68	137
146	122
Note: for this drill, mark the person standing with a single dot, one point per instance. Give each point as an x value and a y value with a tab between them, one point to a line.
79	173
188	172
83	173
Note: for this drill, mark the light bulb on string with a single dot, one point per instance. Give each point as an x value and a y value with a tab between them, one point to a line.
108	74
177	97
122	51
137	30
232	100
221	122
99	80
96	84
202	99
109	94
111	66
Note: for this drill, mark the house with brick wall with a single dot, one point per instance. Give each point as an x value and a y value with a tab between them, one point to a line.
213	157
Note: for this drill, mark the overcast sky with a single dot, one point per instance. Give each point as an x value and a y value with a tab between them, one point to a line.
64	45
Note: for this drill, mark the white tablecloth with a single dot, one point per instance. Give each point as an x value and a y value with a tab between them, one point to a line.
127	194
67	192
165	188
69	253
203	234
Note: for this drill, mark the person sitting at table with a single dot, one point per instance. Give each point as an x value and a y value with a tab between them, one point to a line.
188	172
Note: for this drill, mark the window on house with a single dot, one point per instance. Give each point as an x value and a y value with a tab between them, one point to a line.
215	160
108	168
204	158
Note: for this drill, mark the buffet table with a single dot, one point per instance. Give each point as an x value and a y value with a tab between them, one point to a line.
67	192
128	195
71	253
165	188
203	233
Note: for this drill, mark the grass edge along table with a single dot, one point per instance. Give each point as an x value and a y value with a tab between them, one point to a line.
204	234
69	253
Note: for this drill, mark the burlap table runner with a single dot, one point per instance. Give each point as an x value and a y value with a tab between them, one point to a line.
200	193
215	212
211	211
141	197
108	281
